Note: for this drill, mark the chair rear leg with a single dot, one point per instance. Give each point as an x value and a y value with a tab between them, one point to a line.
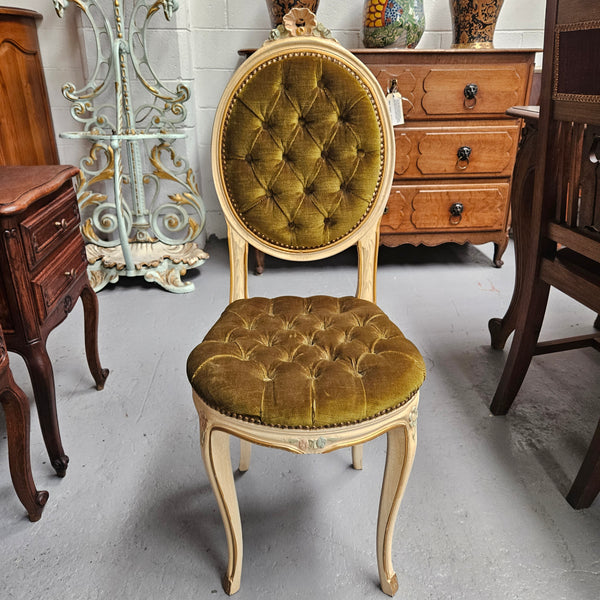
245	455
521	350
357	457
586	486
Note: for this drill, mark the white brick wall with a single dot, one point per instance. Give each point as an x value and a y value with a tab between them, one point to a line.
201	44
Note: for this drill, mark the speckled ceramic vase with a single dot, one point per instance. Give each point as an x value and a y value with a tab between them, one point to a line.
279	8
393	23
474	22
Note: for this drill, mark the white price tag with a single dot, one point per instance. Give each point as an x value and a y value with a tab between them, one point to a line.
394	101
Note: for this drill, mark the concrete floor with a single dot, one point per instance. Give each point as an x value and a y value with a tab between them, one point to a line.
484	514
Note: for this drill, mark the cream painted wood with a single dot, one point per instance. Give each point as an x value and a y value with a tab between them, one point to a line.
271	50
245	455
238	265
401	447
357	457
400	425
217	461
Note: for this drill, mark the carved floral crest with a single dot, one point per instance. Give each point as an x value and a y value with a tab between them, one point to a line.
300	21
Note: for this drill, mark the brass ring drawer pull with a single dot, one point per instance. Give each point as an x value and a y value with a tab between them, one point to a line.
70	274
463	154
456	211
470	93
62	224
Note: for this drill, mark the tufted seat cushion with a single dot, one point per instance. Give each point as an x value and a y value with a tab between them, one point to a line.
301	151
305	362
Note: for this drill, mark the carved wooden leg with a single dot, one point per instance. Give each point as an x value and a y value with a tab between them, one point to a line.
260	262
521	350
90	313
357	457
245	454
586	486
217	461
16	409
520	201
401	446
42	380
499	250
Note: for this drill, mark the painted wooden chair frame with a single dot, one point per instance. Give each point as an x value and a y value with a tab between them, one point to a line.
399	424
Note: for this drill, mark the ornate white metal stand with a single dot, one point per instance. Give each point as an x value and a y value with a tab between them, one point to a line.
148	227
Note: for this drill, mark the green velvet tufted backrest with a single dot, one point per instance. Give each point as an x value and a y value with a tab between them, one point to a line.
300	144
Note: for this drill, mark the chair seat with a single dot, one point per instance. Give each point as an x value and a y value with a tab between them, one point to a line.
305	362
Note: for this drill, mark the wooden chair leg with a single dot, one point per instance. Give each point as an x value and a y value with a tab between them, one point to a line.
586	486
597	322
90	313
521	350
217	461
42	380
260	262
401	446
357	457
16	410
245	455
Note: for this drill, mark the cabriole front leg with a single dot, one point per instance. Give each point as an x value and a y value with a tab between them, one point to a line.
401	446
16	410
90	313
42	380
217	461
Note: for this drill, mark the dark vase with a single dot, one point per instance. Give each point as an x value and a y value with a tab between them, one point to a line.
474	22
279	8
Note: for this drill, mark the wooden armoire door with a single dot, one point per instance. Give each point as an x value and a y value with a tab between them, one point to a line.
26	130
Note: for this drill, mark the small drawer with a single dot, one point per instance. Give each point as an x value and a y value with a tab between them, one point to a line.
455	91
485	149
63	268
477	206
485	90
48	227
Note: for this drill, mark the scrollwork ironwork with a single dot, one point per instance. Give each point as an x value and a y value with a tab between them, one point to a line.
160	204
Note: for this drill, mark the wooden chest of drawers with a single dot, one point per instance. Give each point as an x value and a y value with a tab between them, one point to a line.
456	151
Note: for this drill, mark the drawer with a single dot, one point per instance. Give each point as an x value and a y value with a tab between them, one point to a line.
477	206
50	226
63	268
456	90
484	149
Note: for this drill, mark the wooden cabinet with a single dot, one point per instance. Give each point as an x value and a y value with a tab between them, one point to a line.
456	151
43	271
26	131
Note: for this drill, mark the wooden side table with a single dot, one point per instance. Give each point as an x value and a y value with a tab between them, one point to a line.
43	271
16	411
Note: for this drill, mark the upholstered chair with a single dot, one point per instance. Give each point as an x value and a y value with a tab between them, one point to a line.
303	154
564	222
